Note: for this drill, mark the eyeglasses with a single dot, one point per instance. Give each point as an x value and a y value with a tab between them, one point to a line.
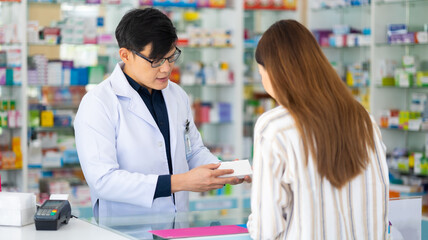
158	63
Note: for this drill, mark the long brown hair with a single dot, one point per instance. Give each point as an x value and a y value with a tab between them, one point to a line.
334	127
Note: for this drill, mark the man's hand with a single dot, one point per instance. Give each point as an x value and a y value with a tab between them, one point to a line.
202	179
247	179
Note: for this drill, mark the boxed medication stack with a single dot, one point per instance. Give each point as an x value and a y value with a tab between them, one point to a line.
17	209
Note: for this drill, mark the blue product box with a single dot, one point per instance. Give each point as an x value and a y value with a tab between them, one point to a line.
394	29
367	31
175	3
332	41
9	76
70	157
79	76
100	22
62	120
225	112
341	29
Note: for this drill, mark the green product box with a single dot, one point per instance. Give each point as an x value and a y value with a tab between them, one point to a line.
96	74
4	105
424	166
403	78
228	189
388	81
33	118
104	61
12	105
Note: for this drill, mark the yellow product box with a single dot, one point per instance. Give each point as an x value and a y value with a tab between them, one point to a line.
422	79
403	120
47	119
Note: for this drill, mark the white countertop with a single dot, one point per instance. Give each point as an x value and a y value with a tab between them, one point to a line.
75	229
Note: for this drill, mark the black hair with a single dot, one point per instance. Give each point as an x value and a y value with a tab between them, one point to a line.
140	27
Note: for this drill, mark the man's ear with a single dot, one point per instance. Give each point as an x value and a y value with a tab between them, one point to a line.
125	55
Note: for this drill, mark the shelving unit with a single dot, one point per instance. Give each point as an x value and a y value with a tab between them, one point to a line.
256	100
406	149
228	133
411	13
351	61
15	179
214	133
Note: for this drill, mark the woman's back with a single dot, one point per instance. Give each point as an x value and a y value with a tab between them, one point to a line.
290	200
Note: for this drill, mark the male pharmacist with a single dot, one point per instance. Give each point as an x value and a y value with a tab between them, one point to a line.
138	146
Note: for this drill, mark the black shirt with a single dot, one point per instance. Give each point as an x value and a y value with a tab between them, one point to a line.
157	107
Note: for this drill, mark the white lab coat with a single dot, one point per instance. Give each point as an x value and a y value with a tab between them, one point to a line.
122	151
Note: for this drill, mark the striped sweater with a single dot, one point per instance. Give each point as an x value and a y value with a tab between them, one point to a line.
289	200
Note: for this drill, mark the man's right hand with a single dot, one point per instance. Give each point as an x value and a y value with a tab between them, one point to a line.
202	179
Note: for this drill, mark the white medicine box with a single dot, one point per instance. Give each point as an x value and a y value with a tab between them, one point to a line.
17	209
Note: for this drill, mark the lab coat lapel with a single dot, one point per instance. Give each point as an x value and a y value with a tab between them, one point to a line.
122	88
171	106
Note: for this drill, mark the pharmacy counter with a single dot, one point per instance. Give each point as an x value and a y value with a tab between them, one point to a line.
133	227
75	229
138	227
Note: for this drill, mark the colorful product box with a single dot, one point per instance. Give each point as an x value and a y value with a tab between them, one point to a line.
270	4
403	78
421	37
322	37
402	38
175	3
146	2
47	118
422	79
2	76
216	3
403	120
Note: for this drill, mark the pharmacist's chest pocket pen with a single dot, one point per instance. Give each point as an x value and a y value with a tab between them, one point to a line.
187	142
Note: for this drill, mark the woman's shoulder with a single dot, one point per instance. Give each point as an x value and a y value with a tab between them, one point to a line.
274	119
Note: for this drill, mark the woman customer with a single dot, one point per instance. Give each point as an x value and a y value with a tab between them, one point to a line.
320	169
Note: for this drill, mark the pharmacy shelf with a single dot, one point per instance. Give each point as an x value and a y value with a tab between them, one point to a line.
342	8
10	86
401	44
346	47
9	128
207	85
407	173
398	87
205	47
55	128
10	44
61	106
218	124
396	2
103	4
358	87
11	169
51	85
73	44
65	167
403	130
413	15
17	176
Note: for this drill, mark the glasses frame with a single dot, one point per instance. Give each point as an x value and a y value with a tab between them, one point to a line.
162	60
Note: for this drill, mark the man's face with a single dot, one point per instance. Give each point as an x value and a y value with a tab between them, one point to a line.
143	73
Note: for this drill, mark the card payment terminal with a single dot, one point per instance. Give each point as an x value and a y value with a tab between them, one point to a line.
52	214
